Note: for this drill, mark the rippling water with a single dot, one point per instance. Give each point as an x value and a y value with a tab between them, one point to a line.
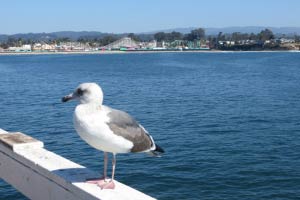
229	122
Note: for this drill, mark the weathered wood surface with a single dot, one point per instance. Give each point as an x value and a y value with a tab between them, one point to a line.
19	140
41	174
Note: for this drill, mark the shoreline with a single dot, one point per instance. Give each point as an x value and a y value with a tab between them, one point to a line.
132	52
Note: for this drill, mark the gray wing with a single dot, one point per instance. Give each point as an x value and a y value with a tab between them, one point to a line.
124	125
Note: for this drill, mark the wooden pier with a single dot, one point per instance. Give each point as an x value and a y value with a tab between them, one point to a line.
40	174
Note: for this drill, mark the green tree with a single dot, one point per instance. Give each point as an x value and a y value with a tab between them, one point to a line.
4	45
170	37
253	36
221	36
213	43
63	39
11	42
297	38
107	40
196	34
266	34
160	36
237	36
82	40
134	37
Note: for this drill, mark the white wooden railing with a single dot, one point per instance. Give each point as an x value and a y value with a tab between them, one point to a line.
41	174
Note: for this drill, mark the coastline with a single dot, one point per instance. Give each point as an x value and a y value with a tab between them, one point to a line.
126	52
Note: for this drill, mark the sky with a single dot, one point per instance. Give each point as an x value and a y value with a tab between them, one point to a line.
125	16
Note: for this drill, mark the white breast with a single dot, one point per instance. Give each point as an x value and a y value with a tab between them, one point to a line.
90	123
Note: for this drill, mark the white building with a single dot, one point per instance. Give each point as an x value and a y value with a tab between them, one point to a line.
23	48
43	47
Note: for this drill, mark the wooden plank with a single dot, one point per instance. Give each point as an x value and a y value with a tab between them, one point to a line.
19	140
31	184
41	174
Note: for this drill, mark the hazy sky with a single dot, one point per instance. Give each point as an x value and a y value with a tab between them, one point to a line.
23	16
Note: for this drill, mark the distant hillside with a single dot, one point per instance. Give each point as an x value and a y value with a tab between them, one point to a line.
74	35
242	29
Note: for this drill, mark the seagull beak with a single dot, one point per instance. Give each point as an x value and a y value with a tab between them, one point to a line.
68	97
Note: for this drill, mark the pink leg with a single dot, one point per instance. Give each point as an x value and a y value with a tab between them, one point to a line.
105	165
101	181
109	184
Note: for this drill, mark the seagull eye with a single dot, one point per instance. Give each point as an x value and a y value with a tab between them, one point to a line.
80	92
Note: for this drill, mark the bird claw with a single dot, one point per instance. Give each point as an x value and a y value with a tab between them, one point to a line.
106	184
102	183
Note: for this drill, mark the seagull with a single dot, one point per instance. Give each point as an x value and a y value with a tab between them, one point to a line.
107	129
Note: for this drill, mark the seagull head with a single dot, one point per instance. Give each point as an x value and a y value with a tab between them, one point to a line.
86	93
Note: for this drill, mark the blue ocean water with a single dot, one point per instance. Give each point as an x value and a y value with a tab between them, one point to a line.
229	122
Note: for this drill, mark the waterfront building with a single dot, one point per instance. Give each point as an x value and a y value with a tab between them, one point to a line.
23	48
43	47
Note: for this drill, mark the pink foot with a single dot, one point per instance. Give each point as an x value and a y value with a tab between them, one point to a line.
103	183
107	184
